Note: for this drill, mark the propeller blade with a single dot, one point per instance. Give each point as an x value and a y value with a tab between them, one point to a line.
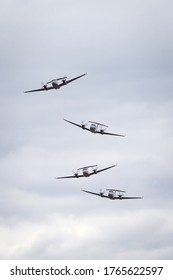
84	124
75	173
44	85
101	192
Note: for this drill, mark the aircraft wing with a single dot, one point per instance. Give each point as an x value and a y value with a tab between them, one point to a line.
98	194
128	197
68	177
100	170
39	89
113	134
69	81
76	124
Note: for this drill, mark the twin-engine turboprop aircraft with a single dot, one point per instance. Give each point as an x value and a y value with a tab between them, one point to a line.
113	194
86	171
54	84
95	127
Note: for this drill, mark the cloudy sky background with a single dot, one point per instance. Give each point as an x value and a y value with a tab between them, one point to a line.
126	48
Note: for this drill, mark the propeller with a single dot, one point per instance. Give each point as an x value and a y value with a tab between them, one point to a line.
75	173
44	85
95	170
84	124
64	80
120	194
102	129
101	192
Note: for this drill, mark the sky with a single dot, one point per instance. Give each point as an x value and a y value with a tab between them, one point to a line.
126	49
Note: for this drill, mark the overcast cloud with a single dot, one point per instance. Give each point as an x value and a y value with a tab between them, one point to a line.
126	48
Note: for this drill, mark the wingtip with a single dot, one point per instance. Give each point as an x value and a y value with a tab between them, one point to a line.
113	165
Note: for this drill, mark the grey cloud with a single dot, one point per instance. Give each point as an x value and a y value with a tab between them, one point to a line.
128	59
